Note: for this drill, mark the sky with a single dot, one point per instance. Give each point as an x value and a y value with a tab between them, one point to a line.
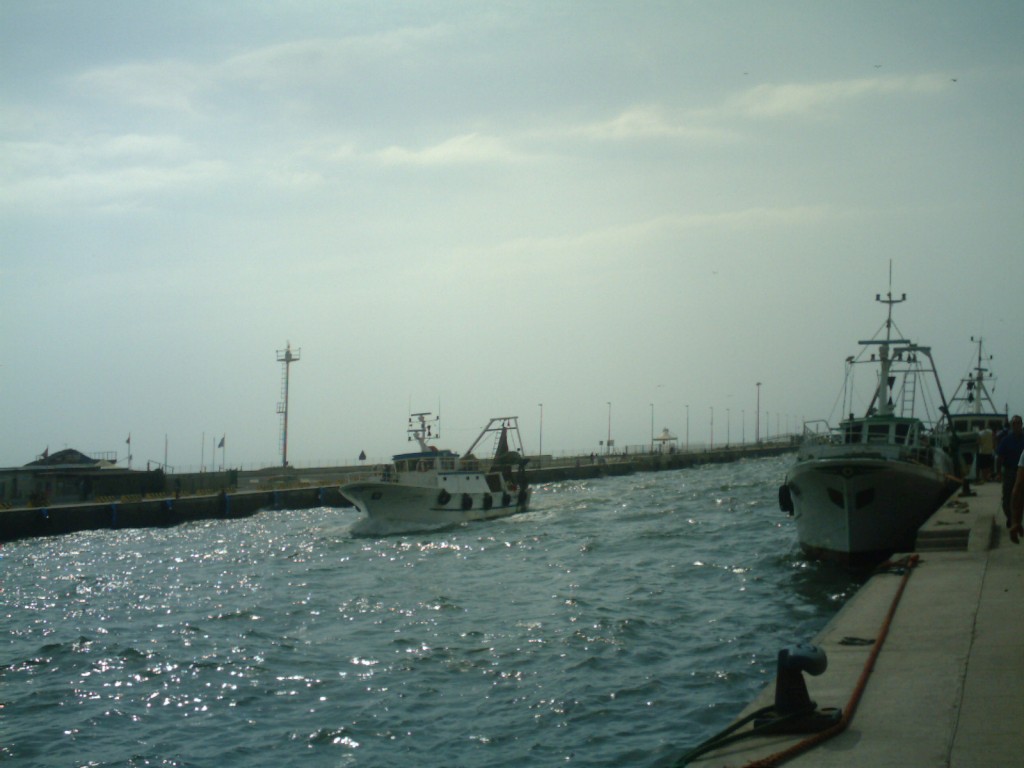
597	216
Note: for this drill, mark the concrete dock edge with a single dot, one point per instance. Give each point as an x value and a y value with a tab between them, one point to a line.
947	688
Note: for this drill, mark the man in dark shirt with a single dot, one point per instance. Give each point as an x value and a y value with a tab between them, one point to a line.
1007	457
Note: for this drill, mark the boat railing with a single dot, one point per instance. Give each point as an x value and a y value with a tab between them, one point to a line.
820	432
378	473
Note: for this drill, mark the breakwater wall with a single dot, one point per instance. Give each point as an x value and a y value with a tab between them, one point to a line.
28	522
541	471
173	509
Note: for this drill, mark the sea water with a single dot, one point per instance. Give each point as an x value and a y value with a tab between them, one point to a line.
620	621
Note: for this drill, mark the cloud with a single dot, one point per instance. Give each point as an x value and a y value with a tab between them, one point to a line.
103	188
108	172
463	149
163	85
713	125
652	121
322	60
775	101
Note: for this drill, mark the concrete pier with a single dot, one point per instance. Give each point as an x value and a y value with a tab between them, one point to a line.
163	511
302	489
947	686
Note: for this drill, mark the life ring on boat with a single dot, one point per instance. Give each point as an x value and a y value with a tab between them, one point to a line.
488	501
443	497
467	502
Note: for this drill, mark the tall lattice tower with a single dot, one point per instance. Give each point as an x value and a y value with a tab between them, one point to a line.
287	357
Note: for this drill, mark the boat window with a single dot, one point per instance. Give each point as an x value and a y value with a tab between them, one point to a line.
902	430
853	433
448	464
878	433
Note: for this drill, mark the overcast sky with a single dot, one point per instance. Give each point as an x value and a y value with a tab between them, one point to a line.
491	206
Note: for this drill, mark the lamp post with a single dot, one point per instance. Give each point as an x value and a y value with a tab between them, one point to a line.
608	442
712	446
540	450
687	428
652	427
757	416
728	427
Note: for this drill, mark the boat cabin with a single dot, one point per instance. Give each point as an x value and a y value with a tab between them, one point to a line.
427	461
882	431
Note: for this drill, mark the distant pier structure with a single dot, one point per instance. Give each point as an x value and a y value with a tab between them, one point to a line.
286	357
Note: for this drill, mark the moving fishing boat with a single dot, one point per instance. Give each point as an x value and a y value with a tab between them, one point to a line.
860	491
435	487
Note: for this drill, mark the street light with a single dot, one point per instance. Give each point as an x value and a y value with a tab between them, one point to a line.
608	442
540	450
757	416
687	428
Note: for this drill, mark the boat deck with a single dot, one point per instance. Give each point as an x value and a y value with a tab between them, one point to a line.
947	687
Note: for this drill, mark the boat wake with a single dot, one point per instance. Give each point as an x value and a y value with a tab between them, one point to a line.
369	527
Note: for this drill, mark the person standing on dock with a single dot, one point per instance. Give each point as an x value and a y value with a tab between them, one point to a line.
986	450
1008	454
1017	504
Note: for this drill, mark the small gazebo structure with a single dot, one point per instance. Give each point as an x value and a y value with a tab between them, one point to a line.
665	442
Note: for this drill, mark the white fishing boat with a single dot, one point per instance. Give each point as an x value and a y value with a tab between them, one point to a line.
974	412
860	491
435	487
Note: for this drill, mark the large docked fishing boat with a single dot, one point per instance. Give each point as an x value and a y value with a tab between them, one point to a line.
860	491
435	487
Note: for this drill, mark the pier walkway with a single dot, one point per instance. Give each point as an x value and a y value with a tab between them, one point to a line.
947	687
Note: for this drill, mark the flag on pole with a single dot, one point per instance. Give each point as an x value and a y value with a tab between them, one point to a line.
221	443
129	440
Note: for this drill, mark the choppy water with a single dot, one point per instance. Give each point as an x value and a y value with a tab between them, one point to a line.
620	622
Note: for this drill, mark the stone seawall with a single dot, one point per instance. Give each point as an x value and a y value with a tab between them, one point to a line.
165	511
27	522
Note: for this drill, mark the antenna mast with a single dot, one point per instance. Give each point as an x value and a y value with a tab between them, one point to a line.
883	395
286	356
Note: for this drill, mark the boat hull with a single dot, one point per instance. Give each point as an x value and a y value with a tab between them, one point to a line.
430	506
859	510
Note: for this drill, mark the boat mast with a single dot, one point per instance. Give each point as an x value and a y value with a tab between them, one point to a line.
422	428
980	394
884	391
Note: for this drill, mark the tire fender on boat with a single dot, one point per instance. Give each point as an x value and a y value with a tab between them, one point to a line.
488	501
443	497
785	499
467	501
